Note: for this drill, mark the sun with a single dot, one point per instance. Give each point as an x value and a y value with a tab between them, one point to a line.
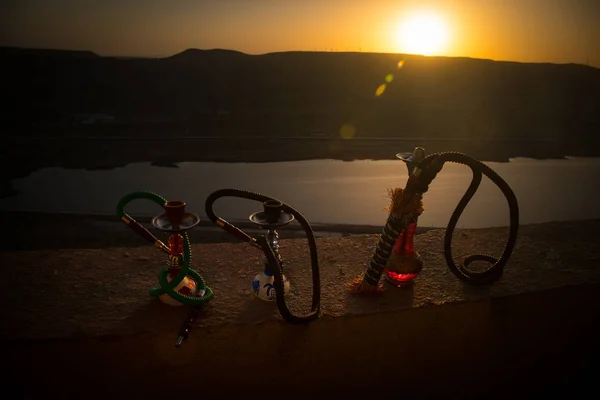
423	33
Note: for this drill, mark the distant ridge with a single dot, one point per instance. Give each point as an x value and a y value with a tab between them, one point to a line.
219	92
23	51
192	53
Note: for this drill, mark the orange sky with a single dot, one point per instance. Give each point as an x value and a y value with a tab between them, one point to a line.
559	31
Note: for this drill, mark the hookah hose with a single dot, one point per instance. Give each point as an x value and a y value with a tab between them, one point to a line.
165	285
261	243
428	169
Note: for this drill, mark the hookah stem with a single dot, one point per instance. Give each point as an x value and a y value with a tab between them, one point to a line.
272	240
262	243
169	287
478	168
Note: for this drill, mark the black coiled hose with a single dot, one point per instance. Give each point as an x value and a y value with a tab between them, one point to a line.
430	166
261	242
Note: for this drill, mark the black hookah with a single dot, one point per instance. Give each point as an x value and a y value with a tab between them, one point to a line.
272	285
271	218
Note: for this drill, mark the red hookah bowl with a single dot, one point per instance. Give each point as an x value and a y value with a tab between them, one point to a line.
175	210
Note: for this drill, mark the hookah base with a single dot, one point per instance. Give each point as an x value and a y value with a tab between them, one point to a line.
402	270
186	287
263	286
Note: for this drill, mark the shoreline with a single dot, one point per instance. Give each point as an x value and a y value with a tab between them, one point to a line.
20	157
23	155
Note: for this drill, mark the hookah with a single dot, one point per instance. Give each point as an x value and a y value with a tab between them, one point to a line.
395	255
271	284
271	218
178	283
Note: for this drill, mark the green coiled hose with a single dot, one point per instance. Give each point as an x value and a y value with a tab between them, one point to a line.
164	285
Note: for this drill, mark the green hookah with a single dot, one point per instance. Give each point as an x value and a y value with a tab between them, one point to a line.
178	283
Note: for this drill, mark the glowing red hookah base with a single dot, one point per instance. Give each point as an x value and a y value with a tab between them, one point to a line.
404	247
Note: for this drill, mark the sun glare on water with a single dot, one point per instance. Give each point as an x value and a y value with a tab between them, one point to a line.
423	33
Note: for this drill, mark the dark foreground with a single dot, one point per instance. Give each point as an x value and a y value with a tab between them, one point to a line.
537	345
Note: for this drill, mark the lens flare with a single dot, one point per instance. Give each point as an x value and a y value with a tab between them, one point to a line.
347	131
380	89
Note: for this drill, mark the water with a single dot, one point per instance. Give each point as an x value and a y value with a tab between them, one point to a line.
325	191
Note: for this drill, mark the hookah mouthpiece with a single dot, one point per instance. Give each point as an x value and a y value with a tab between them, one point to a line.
187	326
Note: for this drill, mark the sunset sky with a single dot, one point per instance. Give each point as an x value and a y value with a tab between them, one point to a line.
561	31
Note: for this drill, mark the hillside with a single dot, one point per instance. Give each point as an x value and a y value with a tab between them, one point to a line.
220	92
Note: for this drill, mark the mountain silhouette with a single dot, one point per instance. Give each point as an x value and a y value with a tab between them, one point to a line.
299	91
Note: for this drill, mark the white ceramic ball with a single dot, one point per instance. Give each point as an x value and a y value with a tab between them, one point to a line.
263	286
187	287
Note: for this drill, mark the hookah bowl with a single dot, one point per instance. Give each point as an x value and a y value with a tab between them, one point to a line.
271	218
174	221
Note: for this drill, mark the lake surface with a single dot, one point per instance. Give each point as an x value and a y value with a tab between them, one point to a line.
325	191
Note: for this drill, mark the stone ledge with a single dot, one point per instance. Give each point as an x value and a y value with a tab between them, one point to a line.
95	292
86	314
